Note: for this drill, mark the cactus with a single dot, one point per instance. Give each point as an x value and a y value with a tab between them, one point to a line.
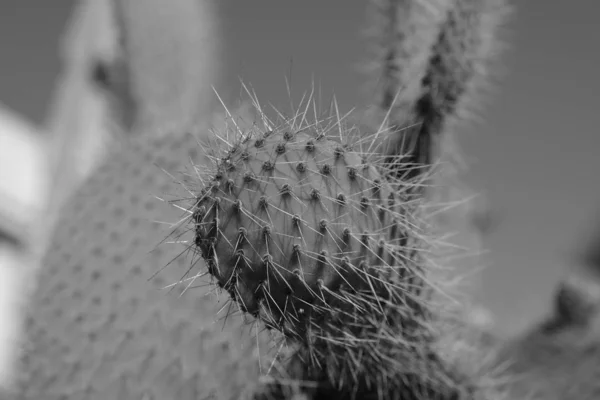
98	329
433	58
291	218
301	222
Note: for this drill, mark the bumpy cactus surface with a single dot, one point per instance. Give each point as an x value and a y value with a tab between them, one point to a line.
306	229
292	222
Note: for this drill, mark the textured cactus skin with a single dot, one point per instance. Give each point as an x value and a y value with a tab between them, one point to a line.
98	327
288	220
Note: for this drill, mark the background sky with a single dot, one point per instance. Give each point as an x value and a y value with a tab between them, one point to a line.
535	155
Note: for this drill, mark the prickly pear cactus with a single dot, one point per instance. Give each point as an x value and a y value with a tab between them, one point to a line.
290	222
306	229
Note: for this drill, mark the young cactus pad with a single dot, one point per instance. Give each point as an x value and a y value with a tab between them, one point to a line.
307	232
287	225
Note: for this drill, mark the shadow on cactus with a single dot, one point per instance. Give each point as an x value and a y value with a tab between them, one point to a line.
302	222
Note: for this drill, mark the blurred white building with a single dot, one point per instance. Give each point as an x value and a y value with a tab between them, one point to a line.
24	192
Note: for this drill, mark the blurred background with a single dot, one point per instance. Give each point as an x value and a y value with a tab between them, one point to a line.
533	151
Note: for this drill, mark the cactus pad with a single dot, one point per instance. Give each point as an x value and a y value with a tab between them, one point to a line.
289	222
308	232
